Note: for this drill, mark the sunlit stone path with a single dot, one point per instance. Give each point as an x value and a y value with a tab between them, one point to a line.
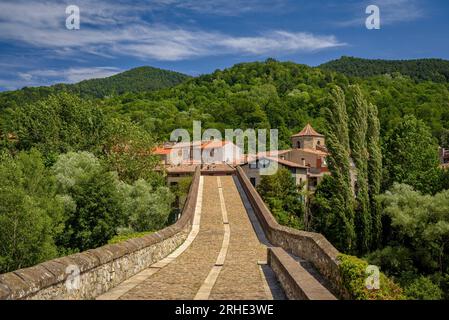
225	260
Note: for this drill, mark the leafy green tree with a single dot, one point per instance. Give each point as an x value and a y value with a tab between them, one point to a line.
31	215
421	223
411	156
95	209
146	208
280	193
59	124
128	151
359	153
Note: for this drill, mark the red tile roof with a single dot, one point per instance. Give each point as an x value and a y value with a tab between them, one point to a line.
287	163
314	151
278	160
161	151
308	131
166	149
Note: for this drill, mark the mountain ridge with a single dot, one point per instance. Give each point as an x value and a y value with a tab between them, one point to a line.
144	78
427	69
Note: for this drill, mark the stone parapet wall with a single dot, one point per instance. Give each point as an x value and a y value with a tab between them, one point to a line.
298	283
99	269
313	247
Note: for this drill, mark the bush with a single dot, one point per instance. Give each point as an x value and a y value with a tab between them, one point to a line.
423	288
353	273
146	207
394	260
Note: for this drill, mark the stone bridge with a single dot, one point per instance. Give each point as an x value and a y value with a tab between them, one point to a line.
226	245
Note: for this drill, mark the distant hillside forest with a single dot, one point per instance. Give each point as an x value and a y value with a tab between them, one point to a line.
436	70
135	80
65	147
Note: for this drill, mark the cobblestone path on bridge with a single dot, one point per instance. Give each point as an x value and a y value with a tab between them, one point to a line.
226	260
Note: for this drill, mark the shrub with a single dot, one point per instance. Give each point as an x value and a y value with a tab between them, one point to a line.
423	288
353	273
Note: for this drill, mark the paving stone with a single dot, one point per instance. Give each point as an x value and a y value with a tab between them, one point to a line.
239	274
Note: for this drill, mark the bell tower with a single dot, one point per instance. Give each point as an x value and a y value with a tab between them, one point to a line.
308	138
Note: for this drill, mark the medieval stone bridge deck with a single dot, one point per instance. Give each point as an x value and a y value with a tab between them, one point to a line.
225	258
218	249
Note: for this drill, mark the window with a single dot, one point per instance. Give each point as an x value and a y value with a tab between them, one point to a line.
298	144
212	152
318	142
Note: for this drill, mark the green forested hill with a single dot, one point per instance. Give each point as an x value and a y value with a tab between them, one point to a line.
134	80
281	95
436	70
269	94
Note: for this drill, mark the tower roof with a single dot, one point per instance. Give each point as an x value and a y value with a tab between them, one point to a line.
308	131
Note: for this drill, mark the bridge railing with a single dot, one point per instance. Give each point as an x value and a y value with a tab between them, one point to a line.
313	247
91	273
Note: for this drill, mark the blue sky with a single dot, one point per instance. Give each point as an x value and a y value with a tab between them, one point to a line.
199	36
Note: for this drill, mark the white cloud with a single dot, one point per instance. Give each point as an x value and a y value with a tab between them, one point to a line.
281	41
224	7
43	25
49	76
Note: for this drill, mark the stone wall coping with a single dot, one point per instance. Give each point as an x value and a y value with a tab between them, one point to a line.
269	223
298	284
310	246
23	282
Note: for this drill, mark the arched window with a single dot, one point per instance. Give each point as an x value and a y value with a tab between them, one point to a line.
318	142
298	144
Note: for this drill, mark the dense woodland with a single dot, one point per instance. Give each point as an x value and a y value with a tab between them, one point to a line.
436	70
134	80
65	148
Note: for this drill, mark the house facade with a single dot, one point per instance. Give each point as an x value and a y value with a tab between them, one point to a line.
306	160
208	152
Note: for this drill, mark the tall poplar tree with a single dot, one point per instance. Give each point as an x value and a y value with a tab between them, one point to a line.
337	142
374	173
359	153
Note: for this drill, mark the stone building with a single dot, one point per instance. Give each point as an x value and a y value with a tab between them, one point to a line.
306	159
